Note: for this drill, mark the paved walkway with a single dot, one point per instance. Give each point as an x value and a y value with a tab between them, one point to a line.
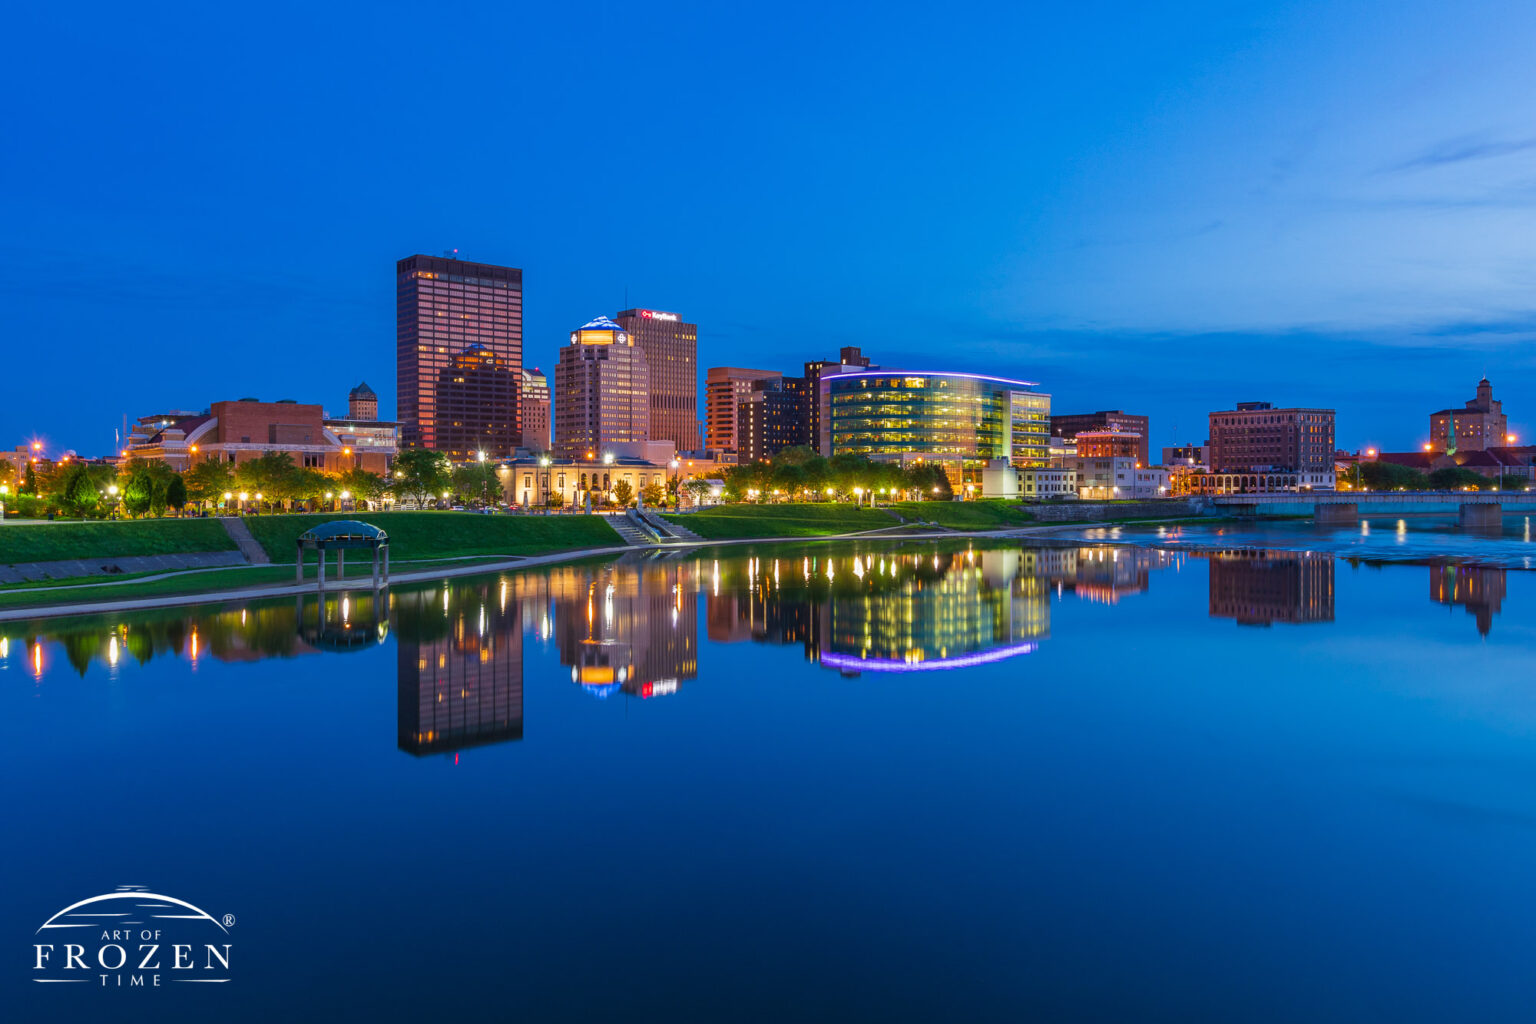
238	532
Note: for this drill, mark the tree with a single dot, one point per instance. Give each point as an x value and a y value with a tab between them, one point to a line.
1386	476
477	481
930	480
8	474
555	499
653	494
698	489
76	491
623	492
176	493
1513	482
1457	478
138	491
209	481
421	474
361	484
29	480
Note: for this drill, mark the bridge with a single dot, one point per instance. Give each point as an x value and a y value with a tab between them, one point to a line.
1477	509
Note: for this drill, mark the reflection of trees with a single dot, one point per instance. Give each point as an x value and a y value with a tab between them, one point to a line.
250	633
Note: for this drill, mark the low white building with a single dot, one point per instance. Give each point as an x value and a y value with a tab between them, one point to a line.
1054	482
1120	477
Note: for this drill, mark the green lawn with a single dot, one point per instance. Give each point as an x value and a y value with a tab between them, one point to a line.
120	539
967	515
439	534
728	522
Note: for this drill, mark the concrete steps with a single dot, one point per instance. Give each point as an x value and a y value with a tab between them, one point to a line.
253	552
628	531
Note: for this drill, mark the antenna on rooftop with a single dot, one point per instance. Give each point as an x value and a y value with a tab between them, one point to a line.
450	254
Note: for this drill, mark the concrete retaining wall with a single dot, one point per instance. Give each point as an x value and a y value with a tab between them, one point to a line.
1098	512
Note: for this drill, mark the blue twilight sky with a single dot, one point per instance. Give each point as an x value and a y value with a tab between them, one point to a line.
1162	210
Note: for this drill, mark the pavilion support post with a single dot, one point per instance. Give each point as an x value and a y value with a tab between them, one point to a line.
298	565
386	563
341	563
375	567
322	567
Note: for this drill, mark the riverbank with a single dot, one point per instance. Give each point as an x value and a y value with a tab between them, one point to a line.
446	545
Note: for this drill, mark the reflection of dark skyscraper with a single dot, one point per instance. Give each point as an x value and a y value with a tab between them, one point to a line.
460	668
1258	588
443	306
1479	590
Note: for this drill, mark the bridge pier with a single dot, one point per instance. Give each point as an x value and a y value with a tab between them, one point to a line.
1482	516
1336	513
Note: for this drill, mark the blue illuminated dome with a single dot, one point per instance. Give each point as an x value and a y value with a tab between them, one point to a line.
601	323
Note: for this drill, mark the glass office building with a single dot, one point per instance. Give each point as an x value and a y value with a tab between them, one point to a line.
962	420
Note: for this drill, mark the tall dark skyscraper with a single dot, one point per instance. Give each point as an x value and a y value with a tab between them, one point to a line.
444	308
671	349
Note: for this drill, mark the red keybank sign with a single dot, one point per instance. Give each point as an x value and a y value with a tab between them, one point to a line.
651	314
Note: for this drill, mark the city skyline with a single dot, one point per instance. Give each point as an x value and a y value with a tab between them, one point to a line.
1203	200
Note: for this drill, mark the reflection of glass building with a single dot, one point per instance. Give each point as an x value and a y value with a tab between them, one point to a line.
976	607
625	627
1258	588
460	667
1479	590
960	420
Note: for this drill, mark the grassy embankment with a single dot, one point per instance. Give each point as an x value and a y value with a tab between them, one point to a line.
730	522
445	534
121	539
967	515
418	540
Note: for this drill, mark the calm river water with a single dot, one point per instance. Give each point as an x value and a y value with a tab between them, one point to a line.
1221	779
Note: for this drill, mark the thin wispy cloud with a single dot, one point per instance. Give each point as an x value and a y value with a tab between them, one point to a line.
1461	150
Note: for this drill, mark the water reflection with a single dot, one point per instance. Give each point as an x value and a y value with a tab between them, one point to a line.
1480	591
459	658
630	627
1258	588
916	610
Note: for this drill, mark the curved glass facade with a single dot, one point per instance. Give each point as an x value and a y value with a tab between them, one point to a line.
969	416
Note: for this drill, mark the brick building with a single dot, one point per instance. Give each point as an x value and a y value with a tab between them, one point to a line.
245	429
1069	425
1257	437
1479	425
725	388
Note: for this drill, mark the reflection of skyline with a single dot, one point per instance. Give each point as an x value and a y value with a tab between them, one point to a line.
629	626
1479	590
917	610
459	657
1259	588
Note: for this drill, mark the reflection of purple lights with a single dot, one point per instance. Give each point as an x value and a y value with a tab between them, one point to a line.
848	662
